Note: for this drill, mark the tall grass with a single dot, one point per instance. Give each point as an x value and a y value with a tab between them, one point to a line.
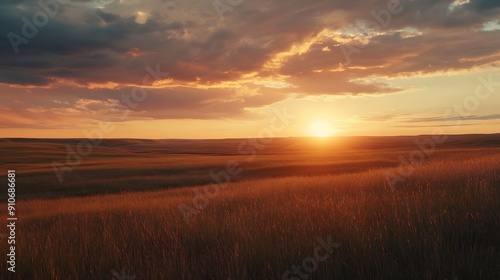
443	222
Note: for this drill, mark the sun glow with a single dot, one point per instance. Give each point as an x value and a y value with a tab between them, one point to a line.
321	130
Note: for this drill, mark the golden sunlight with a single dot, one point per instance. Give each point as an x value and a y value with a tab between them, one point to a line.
321	129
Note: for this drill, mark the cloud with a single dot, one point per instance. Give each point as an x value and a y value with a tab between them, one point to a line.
456	118
378	118
431	126
200	49
217	68
484	4
65	104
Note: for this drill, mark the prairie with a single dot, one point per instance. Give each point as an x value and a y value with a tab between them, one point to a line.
118	211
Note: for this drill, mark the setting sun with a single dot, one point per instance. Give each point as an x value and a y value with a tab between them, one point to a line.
238	139
321	129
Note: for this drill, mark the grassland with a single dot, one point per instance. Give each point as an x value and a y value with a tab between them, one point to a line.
119	209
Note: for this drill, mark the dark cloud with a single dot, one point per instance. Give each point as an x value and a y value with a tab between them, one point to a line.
252	34
484	4
84	45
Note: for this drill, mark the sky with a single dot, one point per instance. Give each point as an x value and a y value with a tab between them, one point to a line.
248	68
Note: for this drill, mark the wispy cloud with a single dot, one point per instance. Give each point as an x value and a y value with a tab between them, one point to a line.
455	118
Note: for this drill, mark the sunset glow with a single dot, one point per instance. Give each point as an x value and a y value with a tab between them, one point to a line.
321	130
194	69
250	139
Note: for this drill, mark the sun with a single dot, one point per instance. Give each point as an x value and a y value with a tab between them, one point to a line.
321	130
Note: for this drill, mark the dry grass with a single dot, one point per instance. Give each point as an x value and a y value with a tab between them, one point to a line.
442	223
139	165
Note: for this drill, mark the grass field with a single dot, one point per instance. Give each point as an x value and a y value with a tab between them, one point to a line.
119	209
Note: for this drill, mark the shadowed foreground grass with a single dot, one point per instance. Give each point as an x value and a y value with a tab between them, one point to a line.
443	222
